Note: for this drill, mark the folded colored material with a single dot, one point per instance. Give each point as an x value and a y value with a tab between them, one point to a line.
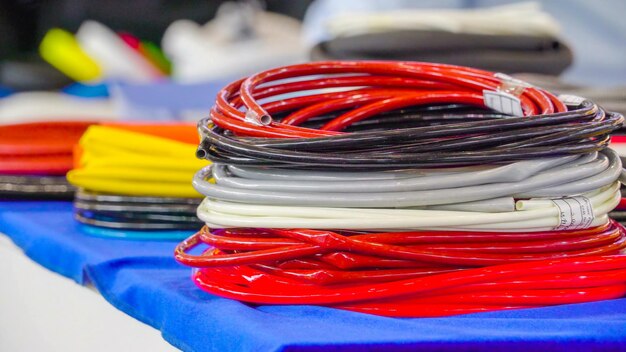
136	178
117	161
34	158
43	148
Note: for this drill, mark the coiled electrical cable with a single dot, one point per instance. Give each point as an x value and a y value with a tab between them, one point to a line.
547	129
406	189
554	177
405	273
530	215
447	248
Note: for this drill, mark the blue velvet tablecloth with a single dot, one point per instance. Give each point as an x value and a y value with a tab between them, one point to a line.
142	279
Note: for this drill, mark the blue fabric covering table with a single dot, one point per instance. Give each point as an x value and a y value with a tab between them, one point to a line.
141	279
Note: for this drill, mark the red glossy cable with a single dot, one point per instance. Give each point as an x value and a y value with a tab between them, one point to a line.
466	243
258	287
269	266
39	148
440	306
434	309
428	310
533	297
374	74
597	241
263	282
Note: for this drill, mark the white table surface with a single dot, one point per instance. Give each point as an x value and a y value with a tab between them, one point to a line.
46	312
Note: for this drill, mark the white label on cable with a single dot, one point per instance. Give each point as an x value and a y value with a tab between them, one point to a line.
503	102
574	212
569	99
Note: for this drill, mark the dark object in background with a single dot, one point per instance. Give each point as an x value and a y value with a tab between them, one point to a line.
23	23
502	53
31	74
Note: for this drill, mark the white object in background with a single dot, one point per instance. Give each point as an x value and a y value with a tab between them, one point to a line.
47	106
118	60
514	19
43	311
241	40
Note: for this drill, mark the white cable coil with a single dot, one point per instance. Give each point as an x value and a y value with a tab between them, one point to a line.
532	215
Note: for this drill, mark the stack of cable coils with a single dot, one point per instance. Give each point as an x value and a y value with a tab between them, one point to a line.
134	180
406	189
34	158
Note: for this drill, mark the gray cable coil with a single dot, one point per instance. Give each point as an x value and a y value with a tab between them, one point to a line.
462	189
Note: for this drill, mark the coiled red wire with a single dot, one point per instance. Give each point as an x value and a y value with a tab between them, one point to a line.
410	273
391	85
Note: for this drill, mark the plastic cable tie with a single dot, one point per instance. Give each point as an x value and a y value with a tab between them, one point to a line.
505	98
503	102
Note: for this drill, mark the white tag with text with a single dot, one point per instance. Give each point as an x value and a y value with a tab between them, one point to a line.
574	212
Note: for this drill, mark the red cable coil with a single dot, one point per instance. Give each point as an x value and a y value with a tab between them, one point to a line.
392	273
388	86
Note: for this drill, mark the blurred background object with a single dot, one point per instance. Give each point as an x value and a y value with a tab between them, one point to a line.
241	40
165	60
511	38
595	31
